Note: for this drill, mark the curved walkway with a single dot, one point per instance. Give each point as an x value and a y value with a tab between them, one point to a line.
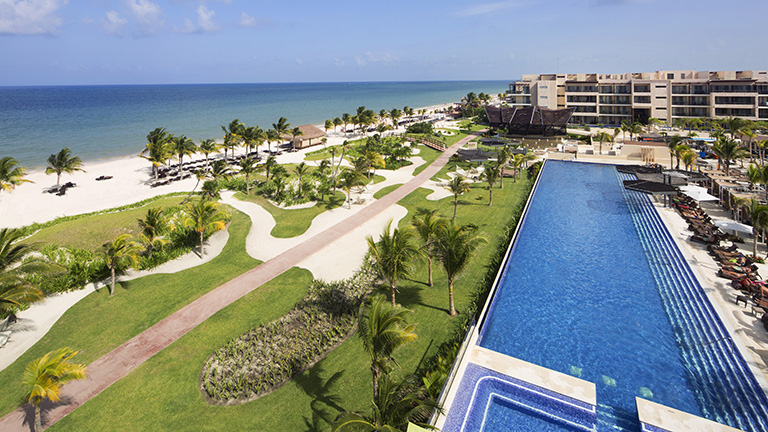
33	323
122	360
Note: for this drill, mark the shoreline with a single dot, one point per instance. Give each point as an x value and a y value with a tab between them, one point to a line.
130	183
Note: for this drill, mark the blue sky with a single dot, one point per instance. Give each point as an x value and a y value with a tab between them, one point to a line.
52	42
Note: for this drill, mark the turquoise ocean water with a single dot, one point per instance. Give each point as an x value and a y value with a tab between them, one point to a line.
109	121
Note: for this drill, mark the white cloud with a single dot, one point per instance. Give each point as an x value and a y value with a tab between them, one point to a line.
189	27
30	16
369	57
149	16
114	23
486	8
205	19
247	20
299	61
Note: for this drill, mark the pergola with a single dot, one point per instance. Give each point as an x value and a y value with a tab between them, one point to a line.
529	120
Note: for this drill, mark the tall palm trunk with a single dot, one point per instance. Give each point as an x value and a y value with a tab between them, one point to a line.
112	282
38	419
429	257
455	205
392	292
201	244
450	297
376	374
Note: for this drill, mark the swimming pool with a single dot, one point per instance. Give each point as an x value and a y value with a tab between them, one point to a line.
596	288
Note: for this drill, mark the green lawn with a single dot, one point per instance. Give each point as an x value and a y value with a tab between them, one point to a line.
386	190
98	324
163	393
291	223
92	231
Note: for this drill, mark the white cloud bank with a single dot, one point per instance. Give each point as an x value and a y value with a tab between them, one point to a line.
30	17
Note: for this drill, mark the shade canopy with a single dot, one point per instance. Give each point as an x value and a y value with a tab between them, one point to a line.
650	187
730	225
700	195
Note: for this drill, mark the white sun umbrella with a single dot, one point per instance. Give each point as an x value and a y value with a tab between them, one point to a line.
699	194
734	226
692	188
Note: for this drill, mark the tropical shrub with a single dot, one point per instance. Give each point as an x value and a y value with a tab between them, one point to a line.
420	128
265	358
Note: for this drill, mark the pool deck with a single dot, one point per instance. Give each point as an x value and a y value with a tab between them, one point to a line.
748	334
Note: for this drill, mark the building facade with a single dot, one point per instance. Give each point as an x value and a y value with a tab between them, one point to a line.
609	99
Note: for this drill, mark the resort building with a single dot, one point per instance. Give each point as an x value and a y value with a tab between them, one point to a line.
610	99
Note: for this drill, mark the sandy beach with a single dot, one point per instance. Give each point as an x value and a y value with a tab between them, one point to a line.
130	183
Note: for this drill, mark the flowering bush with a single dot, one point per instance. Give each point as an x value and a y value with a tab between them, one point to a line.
270	355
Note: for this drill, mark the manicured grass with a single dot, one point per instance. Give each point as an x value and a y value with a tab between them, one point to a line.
429	155
386	190
98	323
163	393
291	223
90	232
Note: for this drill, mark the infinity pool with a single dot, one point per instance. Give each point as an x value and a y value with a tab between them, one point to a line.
595	288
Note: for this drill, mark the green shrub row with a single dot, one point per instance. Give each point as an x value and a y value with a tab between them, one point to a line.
270	355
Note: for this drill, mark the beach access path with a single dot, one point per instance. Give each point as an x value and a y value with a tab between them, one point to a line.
122	360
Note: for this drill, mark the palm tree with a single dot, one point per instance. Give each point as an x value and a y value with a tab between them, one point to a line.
208	146
688	158
395	114
393	255
253	136
502	157
727	150
269	165
349	179
328	125
458	186
295	132
182	146
398	403
758	214
427	225
15	264
119	253
233	135
345	120
152	226
272	136
680	152
491	174
301	170
373	160
248	166
156	151
204	216
63	162
382	330
674	141
281	127
455	246
602	137
336	122
11	175
46	375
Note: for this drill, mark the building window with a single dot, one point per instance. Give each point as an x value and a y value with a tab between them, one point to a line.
670	76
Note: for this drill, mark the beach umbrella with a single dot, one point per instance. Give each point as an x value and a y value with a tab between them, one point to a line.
698	193
734	226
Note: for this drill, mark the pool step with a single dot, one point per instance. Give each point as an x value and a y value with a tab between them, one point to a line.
612	419
706	347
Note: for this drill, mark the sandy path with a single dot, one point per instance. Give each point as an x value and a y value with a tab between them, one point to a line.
33	323
123	359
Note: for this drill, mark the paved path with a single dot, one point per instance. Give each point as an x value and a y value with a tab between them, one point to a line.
122	360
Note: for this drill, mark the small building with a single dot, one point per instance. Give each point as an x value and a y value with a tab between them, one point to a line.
312	135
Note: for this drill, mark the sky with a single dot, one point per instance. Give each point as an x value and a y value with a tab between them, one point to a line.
82	42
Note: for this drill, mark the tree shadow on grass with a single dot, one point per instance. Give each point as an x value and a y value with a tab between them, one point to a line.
325	405
45	407
333	201
410	295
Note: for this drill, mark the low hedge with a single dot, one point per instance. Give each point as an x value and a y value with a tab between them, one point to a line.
265	358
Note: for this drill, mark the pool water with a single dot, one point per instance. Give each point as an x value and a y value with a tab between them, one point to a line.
584	293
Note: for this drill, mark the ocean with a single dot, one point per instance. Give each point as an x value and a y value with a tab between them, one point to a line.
98	122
